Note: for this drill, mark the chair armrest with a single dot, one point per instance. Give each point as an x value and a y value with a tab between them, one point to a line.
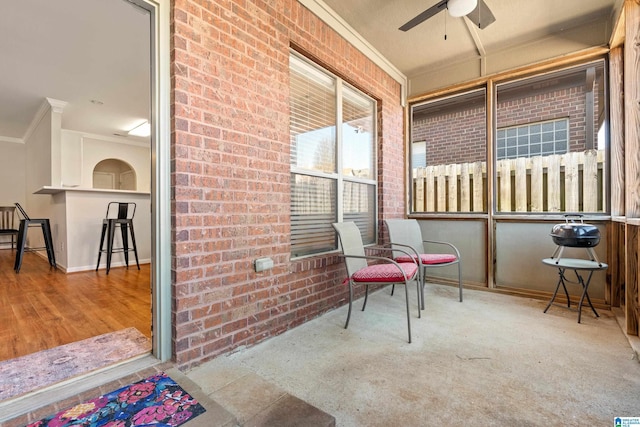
414	255
410	252
453	248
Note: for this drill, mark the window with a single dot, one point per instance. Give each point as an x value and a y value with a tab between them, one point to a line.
449	153
550	146
548	154
418	154
332	131
537	139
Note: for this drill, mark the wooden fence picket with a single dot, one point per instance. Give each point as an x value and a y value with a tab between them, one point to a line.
553	183
590	181
465	188
478	186
537	185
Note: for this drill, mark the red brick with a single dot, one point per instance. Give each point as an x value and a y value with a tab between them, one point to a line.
231	171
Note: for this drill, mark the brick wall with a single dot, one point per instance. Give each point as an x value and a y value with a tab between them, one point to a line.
565	103
454	137
459	136
230	171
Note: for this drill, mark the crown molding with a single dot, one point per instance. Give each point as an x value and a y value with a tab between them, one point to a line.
49	104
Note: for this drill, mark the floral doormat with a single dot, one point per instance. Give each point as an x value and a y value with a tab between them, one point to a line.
155	401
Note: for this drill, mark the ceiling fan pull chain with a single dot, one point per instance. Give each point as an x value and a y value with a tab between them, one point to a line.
479	19
445	22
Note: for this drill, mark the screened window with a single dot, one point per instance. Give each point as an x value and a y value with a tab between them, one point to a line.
548	154
550	146
332	131
448	154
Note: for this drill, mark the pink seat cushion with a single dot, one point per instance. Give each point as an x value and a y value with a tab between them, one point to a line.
430	259
385	273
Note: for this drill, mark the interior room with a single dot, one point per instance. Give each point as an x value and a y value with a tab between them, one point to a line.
504	133
74	86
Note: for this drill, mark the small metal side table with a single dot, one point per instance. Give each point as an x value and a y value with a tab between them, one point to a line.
577	265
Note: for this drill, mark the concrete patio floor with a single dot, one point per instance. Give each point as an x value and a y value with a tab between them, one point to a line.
492	360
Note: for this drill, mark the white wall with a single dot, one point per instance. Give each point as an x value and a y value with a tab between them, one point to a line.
12	173
38	156
78	216
82	152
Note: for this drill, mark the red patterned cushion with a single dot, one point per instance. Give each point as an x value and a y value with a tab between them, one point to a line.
429	258
384	273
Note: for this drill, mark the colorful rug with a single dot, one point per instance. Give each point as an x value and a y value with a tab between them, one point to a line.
155	401
24	374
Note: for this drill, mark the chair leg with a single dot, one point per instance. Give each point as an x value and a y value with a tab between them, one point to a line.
48	242
100	250
133	242
460	278
125	243
419	298
422	275
350	304
22	240
406	295
366	296
111	231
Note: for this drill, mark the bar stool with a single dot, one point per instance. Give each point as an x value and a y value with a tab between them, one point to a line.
25	223
119	214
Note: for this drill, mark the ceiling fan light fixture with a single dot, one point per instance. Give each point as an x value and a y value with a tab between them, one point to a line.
458	8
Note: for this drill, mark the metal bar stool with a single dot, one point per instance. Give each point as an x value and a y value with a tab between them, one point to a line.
119	214
25	223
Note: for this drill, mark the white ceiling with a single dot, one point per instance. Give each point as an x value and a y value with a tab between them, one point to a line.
74	51
82	50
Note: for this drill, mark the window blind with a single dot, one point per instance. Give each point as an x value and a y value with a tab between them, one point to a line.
314	100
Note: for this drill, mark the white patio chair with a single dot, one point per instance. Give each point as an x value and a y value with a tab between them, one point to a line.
384	272
406	233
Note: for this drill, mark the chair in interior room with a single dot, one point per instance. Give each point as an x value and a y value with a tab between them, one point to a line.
119	215
25	223
7	223
382	271
406	233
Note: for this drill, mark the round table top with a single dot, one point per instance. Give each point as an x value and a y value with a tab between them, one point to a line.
575	263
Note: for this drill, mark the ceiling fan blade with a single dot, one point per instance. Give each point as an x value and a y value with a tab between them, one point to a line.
419	19
481	15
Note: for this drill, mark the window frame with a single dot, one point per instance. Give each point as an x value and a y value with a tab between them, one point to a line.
490	85
465	93
606	174
529	132
338	174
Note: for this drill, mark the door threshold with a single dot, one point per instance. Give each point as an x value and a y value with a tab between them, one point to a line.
19	405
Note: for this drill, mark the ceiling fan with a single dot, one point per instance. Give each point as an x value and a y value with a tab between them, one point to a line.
476	10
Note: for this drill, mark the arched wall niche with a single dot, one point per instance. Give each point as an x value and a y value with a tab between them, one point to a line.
114	174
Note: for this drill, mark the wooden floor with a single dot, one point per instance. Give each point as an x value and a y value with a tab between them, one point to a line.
42	308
